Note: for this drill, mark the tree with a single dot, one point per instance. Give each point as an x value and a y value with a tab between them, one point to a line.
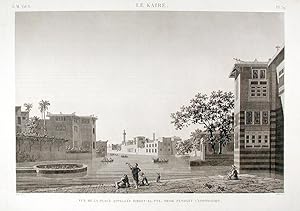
28	107
196	137
184	147
33	127
43	107
213	113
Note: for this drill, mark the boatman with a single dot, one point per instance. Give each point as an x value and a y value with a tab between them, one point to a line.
135	173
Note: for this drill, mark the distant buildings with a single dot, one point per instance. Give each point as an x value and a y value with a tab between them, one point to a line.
144	146
162	146
80	131
134	146
258	127
21	118
101	148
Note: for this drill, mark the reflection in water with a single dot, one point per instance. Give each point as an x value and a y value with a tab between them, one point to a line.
109	172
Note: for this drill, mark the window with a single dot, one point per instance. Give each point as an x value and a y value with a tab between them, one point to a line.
169	149
258	139
281	81
155	150
60	118
249	118
253	139
258	83
93	130
258	88
146	150
266	138
257	117
247	139
19	120
76	129
155	145
85	121
258	73
23	118
254	74
262	74
265	117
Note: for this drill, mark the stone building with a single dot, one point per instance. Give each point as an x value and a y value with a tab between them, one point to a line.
101	148
163	146
80	131
256	143
21	117
277	64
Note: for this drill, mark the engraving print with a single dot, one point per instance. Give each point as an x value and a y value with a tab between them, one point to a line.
149	102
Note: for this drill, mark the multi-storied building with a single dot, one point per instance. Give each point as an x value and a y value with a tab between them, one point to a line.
277	64
257	101
134	146
162	146
21	118
80	131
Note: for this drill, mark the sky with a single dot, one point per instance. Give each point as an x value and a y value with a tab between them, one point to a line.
133	69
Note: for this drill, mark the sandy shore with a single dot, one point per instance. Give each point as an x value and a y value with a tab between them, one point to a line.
213	184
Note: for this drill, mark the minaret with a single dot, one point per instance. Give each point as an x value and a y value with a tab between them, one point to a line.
124	138
153	136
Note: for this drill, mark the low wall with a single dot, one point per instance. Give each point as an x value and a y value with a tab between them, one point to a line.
41	149
33	149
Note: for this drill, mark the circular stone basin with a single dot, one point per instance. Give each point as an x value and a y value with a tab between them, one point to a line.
60	168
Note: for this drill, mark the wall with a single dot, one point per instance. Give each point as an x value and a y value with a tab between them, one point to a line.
255	157
41	150
20	118
101	148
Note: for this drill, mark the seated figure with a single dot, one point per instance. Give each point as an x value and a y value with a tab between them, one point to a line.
233	174
144	180
123	182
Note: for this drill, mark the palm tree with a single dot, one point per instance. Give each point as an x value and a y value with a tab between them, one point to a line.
28	106
43	106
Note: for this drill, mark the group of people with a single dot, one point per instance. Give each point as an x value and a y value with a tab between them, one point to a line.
136	172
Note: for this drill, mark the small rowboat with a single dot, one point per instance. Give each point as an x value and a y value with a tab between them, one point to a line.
107	160
160	160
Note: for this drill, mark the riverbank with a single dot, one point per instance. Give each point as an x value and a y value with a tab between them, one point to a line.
211	184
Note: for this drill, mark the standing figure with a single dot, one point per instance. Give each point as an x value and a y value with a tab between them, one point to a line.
158	177
135	173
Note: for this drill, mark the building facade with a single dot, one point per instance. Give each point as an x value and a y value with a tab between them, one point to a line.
163	146
137	145
21	117
277	64
80	131
101	148
255	116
